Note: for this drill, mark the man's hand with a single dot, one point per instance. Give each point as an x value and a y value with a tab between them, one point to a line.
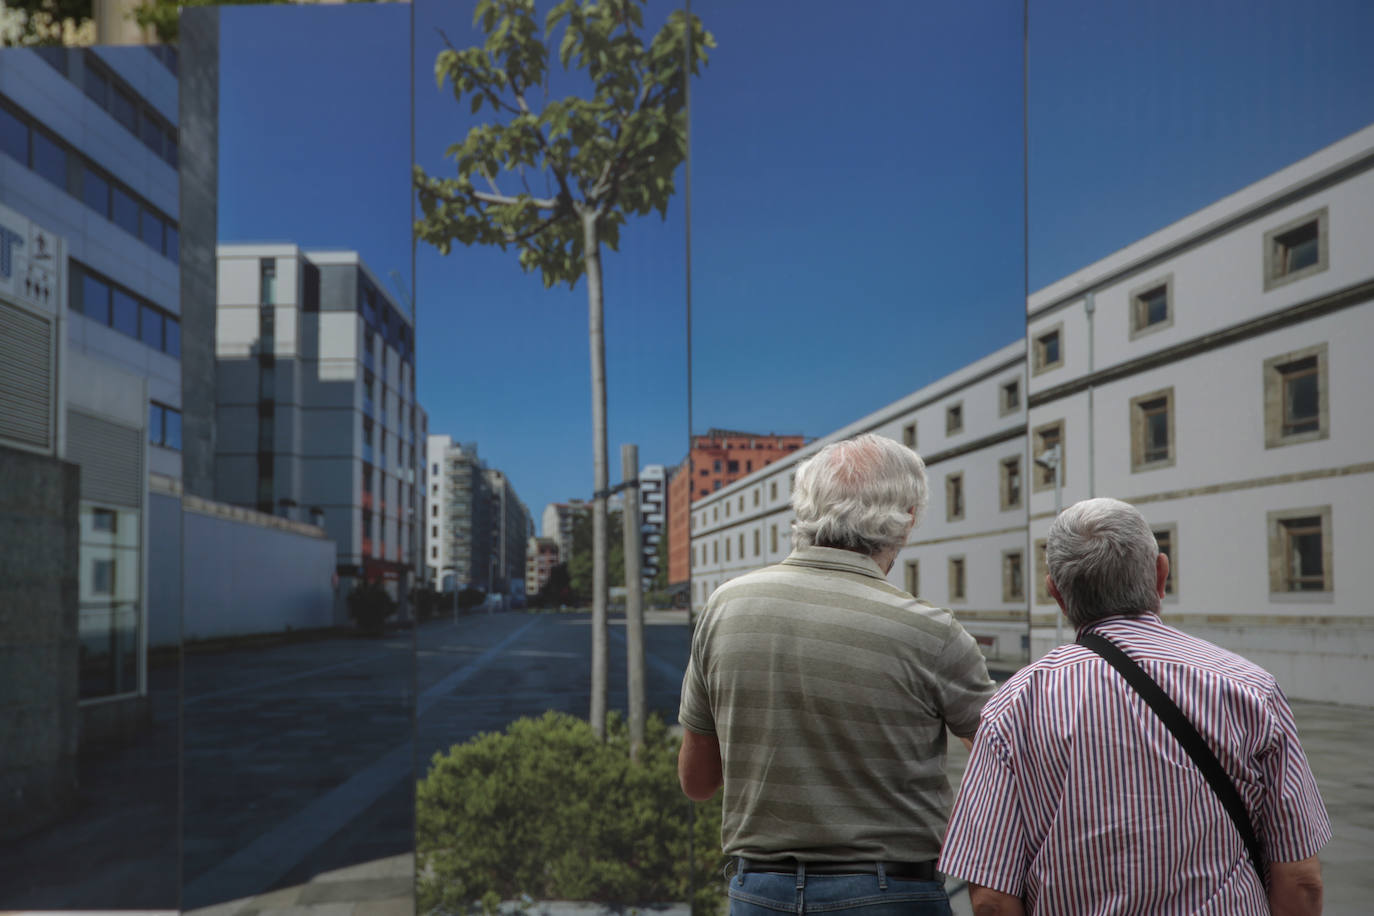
1295	888
698	765
988	902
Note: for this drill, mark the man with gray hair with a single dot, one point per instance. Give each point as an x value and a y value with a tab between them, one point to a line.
1079	799
819	695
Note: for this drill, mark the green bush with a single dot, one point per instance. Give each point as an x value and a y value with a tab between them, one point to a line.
370	605
547	810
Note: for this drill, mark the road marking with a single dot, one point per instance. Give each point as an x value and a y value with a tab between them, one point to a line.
301	675
264	861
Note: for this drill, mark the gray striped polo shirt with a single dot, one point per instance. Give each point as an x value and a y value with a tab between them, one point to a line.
829	690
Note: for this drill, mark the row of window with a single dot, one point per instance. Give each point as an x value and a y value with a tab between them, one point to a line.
1008	401
22	139
740	554
1299	560
1292	251
757	500
104	301
118	99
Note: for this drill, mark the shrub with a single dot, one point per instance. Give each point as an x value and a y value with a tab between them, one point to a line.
370	605
470	598
547	810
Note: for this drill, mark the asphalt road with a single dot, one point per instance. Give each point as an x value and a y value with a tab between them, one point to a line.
302	758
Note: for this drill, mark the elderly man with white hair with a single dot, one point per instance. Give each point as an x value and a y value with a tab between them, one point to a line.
1087	792
819	695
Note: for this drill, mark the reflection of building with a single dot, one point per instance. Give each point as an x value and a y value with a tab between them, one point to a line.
541	556
558	520
653	498
1213	374
89	152
716	459
511	530
478	527
317	419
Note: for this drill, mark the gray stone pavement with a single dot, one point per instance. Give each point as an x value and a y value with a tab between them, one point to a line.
300	761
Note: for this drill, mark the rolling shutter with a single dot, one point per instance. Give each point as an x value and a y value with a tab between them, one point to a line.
26	378
111	459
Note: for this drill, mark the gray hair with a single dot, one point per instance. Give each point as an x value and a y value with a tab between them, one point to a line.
1101	554
858	494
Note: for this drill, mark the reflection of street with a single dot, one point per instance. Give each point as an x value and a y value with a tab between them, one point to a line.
299	761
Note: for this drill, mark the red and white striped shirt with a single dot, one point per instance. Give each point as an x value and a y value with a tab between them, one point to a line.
1079	800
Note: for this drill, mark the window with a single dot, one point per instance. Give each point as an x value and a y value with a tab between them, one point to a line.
954	419
433	510
954	497
1295	397
124	109
741	545
124	211
909	434
1043	439
715	551
1295	250
267	292
756	496
1152	430
773	489
758	541
150	326
150	229
727	510
733	467
1011	483
164	425
171	336
715	511
153	135
741	502
14	137
1009	397
49	159
95	298
434	531
125	317
716	466
956	579
1300	550
1152	307
1042	572
171	243
1047	352
715	485
1013	576
773	539
913	577
95	192
1166	536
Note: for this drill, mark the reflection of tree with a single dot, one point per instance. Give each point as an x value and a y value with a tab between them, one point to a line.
580	563
596	160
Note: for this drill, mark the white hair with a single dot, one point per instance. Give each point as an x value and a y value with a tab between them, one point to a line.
858	494
1101	555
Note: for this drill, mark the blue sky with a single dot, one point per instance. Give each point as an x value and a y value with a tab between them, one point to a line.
857	199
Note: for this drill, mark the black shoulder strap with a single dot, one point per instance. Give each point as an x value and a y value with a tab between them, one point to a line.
1187	735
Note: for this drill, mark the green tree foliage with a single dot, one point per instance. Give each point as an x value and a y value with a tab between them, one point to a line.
601	157
660	582
547	809
558	590
580	563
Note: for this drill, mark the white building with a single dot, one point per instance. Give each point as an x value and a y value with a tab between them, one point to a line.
316	411
1213	374
653	516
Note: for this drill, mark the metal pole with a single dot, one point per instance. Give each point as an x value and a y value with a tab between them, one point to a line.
1058	505
634	599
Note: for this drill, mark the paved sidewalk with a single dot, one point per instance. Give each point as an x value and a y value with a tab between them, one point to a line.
385	887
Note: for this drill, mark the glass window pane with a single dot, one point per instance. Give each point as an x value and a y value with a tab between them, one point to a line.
49	159
1159	430
172	428
14	137
152	134
124	211
1156	307
95	191
154	423
169	150
95	299
1052	349
150	229
171	243
150	327
124	108
97	87
125	313
171	336
1301	399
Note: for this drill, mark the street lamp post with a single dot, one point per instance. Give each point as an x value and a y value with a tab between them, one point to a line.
1051	460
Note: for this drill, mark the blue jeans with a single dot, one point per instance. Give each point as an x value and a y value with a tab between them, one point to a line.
758	893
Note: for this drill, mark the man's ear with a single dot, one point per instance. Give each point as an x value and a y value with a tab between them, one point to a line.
1161	573
1054	593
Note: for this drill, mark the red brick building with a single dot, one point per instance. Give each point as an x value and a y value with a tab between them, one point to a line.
717	458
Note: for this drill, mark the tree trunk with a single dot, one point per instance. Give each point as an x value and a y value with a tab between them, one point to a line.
591	248
634	598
